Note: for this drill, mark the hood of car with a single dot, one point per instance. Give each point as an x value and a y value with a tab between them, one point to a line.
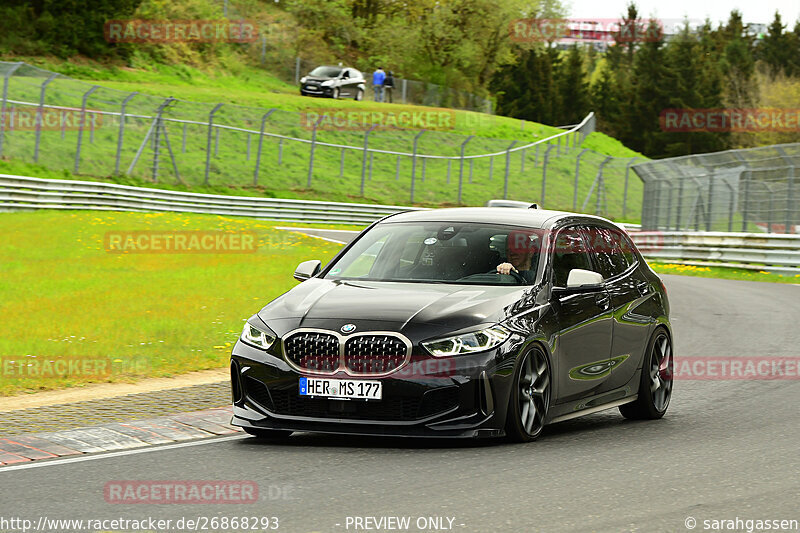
319	78
388	306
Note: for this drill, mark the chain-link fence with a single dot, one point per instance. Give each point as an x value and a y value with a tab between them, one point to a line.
65	124
751	190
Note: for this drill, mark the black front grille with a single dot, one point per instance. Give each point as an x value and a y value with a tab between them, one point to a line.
289	402
374	354
313	351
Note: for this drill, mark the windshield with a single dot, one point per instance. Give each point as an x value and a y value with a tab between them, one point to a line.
440	252
326	72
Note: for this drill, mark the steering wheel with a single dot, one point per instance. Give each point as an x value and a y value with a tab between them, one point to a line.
513	273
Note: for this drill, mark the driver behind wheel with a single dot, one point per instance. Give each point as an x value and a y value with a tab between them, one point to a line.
520	249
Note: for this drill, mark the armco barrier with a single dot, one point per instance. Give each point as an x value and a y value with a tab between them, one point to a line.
752	251
771	252
22	193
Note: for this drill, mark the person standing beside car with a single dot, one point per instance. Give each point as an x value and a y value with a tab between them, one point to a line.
378	77
388	87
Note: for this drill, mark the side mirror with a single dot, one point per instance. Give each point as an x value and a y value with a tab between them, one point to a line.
579	278
307	269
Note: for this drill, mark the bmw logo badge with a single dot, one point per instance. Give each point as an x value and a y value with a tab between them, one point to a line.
348	328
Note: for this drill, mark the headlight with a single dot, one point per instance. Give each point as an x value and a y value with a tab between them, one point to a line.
328	83
485	339
303	79
257	337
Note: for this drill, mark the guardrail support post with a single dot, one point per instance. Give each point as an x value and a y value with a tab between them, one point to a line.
86	96
6	79
364	157
40	116
508	164
208	143
260	144
577	173
121	134
746	175
461	167
414	162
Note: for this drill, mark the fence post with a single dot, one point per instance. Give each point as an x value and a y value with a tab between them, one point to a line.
544	171
208	143
183	141
313	146
679	206
508	164
789	226
297	70
40	116
364	157
261	144
710	200
598	180
461	167
247	157
86	96
6	79
625	193
341	164
414	162
121	134
577	173
397	169
405	83
746	200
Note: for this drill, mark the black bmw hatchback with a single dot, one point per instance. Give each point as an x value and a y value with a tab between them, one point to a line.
468	322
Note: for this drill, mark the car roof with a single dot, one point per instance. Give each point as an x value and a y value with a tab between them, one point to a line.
531	218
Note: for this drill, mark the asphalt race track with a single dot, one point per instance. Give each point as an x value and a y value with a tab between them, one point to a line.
726	449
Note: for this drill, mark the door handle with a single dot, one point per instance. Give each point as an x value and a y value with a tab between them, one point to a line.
603	301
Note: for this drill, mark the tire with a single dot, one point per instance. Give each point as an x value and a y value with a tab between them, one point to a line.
530	397
655	386
359	95
335	94
271	434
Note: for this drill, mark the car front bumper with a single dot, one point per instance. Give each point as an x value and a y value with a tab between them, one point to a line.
464	396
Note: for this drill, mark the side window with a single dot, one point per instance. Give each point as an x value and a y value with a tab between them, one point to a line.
612	250
570	251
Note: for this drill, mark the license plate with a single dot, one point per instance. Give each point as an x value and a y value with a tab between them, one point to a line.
344	389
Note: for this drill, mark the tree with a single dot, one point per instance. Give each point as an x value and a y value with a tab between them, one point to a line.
573	88
775	49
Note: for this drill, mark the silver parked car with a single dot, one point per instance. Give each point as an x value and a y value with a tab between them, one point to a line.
333	82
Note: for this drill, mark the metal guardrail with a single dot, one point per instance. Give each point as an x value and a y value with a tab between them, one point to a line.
752	251
772	252
24	193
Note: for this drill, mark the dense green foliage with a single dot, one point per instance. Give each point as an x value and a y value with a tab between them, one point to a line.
634	82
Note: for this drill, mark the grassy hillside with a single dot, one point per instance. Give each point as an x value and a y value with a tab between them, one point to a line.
284	164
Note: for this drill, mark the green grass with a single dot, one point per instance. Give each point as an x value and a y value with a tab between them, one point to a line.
723	273
283	171
64	296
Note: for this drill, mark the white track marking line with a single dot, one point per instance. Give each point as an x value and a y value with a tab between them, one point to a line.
68	460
